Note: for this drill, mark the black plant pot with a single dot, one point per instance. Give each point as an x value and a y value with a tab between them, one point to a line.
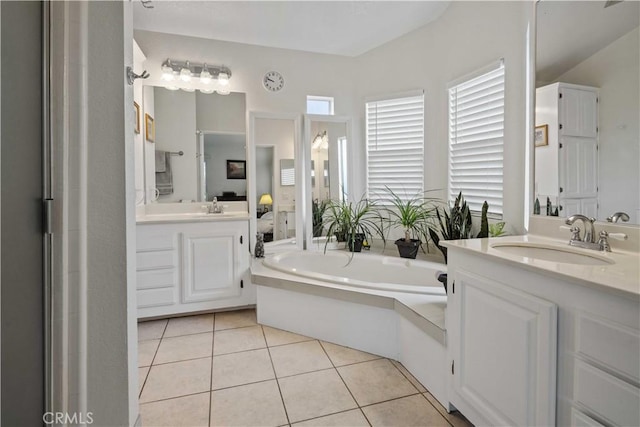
408	249
355	243
442	278
341	237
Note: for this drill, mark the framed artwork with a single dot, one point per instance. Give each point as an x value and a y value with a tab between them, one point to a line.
136	109
149	128
236	169
542	135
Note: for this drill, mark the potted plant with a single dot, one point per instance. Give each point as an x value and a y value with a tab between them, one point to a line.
319	208
413	215
354	221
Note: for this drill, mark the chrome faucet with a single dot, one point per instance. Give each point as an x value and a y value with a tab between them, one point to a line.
215	208
588	242
618	215
589	229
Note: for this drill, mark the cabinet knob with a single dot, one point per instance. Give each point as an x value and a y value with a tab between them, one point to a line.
240	239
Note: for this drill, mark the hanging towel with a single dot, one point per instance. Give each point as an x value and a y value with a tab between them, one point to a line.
161	164
164	180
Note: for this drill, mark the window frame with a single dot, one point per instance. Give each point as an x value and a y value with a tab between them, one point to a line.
329	99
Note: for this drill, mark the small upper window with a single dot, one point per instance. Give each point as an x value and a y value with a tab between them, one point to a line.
319	105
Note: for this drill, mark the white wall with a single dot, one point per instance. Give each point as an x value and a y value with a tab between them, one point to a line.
221	113
175	122
218	149
615	70
467	37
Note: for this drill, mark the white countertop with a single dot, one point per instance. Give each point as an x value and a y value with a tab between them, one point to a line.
623	275
167	218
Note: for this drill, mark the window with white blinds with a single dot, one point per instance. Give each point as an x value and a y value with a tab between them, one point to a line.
476	137
395	146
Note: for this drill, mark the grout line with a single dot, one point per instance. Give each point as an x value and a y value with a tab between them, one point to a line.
365	416
286	413
241	351
176	397
328	415
291	343
213	336
391	400
406	377
437	410
188	334
154	358
244	384
180	361
340	376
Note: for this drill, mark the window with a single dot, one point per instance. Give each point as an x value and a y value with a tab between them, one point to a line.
476	137
395	146
319	105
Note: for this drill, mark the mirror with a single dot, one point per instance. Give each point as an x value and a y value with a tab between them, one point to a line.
199	145
587	154
274	139
327	142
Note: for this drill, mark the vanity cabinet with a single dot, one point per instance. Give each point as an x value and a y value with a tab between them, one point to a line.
186	267
530	348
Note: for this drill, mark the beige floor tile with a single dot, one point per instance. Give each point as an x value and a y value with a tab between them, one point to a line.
340	355
142	376
235	319
293	359
455	418
279	337
353	418
256	404
409	411
177	379
375	381
151	329
189	325
240	339
186	347
314	395
410	377
241	368
146	352
187	411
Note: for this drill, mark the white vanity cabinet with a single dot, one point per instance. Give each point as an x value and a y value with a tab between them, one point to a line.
187	267
530	348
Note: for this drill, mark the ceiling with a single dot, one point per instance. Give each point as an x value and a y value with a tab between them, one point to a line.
347	28
568	32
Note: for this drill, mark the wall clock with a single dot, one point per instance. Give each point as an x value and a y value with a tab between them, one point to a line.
273	81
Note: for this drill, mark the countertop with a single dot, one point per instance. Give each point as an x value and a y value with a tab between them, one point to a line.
622	276
169	218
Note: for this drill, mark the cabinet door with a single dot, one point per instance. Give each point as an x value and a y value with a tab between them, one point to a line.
578	112
589	207
210	265
505	352
578	167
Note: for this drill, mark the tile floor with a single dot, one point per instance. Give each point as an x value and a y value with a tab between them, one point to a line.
227	370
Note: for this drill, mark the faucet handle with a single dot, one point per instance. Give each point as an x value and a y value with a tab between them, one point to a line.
618	236
575	232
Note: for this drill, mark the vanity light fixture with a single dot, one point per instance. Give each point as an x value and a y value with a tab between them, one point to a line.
320	141
204	72
207	91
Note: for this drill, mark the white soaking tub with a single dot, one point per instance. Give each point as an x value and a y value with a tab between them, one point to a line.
364	270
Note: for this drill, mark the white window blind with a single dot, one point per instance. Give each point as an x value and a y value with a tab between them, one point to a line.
476	137
395	146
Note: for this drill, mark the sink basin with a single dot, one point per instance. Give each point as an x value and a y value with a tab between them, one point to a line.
553	253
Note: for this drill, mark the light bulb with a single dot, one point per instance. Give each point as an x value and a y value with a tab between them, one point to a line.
223	91
223	79
188	89
172	87
207	91
185	73
167	73
205	75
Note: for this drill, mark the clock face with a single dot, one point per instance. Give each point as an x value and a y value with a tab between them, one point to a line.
273	81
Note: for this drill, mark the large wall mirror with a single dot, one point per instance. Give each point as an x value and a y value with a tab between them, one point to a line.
275	191
587	153
327	142
199	145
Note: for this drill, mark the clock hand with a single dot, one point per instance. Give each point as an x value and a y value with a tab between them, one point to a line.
272	81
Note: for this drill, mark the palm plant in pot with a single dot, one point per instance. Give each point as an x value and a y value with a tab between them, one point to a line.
353	221
319	207
413	215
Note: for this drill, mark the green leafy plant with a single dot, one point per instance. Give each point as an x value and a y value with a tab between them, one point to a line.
353	220
318	208
456	224
413	215
497	229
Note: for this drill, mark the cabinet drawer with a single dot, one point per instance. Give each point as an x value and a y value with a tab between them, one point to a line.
153	279
579	419
147	240
156	297
613	345
151	260
607	396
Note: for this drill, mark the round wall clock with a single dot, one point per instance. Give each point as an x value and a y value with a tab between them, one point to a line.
273	81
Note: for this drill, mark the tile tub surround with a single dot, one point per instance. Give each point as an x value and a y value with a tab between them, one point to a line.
267	376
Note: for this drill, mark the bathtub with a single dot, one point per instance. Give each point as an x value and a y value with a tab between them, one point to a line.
364	270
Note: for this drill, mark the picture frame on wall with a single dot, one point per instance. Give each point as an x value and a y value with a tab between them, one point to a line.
136	109
542	135
236	169
149	128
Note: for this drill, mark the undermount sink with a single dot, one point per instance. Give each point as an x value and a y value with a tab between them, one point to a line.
553	253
